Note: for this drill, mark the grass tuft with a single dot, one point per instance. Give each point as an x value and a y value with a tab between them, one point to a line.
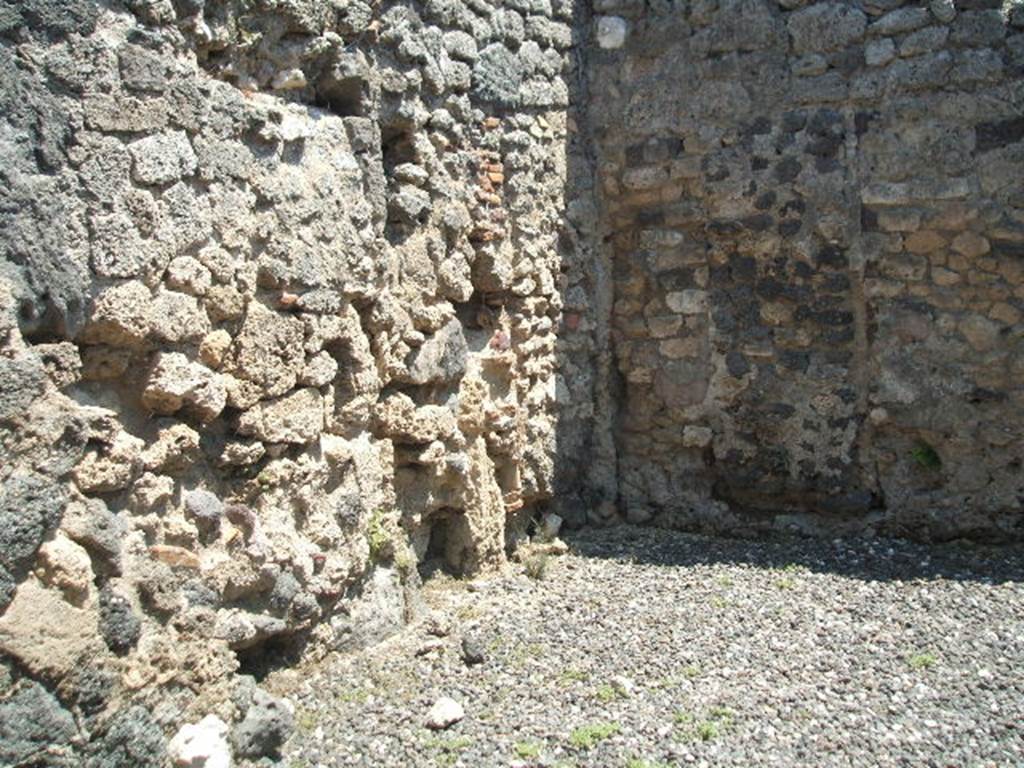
588	736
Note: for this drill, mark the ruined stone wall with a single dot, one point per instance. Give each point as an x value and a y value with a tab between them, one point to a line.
280	298
815	212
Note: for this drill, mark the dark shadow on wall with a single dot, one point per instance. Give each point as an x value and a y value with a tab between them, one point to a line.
586	472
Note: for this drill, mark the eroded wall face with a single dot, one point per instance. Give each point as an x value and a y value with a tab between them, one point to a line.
279	305
816	218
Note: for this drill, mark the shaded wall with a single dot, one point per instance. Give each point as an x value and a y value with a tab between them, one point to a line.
816	221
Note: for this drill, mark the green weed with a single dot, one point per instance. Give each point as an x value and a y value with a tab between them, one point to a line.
588	736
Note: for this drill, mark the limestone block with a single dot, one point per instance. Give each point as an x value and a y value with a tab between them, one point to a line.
66	566
201	745
267	351
120	316
213	347
46	634
110	466
294	418
174	382
401	420
689	302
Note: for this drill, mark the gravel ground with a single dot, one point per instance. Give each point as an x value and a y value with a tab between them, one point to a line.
650	648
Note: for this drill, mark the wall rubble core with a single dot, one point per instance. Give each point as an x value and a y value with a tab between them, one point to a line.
303	300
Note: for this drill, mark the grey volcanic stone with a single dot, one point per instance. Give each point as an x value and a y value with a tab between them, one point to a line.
497	75
48	17
30	507
440	358
204	506
119	625
266	726
474	650
131	740
826	27
90	523
22	380
34	728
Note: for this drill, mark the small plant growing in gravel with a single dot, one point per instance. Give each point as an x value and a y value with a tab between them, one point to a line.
925	660
588	736
573	675
638	762
786	582
536	566
448	748
608	693
306	720
527	750
789	572
717	722
926	456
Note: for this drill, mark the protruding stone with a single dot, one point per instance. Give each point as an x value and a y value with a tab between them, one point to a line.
294	418
267	725
444	714
473	650
174	382
971	244
163	158
826	27
611	32
120	316
689	302
66	565
201	745
109	467
943	10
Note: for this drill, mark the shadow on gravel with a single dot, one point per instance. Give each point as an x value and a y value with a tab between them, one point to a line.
865	559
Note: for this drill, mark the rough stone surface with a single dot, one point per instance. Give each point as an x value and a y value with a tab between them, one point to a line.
445	713
267	724
299	306
201	745
34	728
804	237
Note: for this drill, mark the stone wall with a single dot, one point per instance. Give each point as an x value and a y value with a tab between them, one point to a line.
280	298
816	219
301	301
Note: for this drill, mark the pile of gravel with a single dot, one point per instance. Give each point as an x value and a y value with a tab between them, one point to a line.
650	648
